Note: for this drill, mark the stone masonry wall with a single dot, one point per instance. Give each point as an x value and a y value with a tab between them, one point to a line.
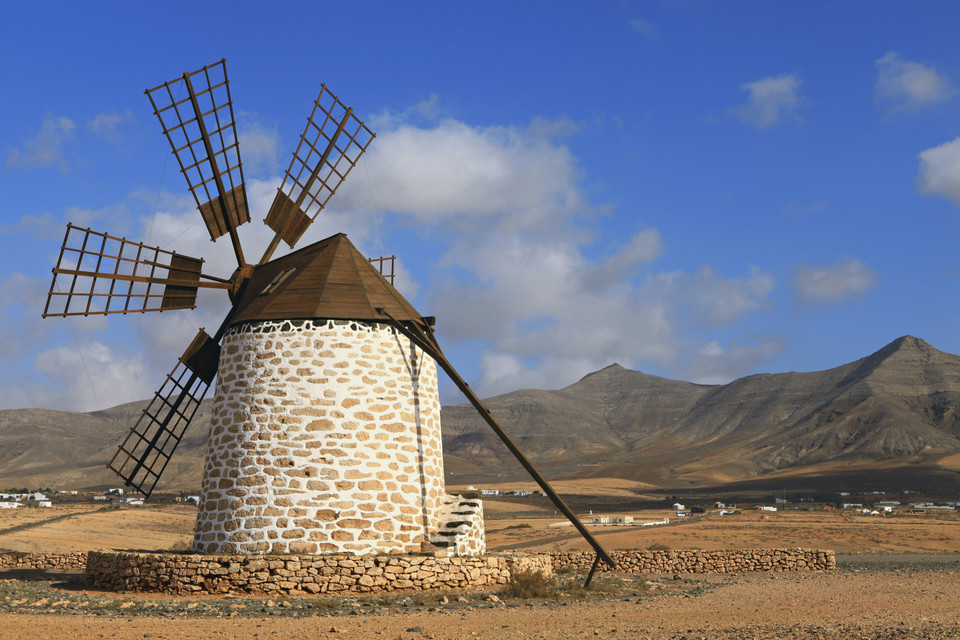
298	575
62	561
700	561
324	438
340	573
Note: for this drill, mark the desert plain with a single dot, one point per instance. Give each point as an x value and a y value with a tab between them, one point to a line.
898	576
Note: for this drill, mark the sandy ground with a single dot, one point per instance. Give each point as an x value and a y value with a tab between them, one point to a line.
81	528
878	599
532	528
841	604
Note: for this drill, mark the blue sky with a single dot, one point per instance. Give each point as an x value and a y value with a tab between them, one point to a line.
697	190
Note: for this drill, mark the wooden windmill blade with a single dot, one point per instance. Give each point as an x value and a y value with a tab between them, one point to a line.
330	146
143	455
100	274
196	113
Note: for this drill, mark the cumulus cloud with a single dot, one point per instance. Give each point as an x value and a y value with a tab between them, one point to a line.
711	300
91	377
824	284
506	233
940	171
770	100
44	149
456	174
910	86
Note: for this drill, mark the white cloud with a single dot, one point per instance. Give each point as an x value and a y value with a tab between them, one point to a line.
516	265
45	148
90	378
770	100
720	301
44	225
709	299
259	146
714	364
940	171
910	86
110	126
507	206
459	175
426	111
835	282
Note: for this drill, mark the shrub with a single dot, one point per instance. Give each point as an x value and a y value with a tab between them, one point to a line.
529	584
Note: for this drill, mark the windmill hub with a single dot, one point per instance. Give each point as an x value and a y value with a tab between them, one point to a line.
238	279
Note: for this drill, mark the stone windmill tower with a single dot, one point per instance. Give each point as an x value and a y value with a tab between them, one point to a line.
325	434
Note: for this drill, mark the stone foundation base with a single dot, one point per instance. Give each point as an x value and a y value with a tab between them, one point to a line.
300	575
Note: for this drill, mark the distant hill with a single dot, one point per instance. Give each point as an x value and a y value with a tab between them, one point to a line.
893	413
887	419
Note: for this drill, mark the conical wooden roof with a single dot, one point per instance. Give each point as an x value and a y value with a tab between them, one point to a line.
328	280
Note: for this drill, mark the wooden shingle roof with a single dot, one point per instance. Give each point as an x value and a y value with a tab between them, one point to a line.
330	279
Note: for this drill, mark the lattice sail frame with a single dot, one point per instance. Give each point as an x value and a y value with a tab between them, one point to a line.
330	146
97	273
195	104
143	455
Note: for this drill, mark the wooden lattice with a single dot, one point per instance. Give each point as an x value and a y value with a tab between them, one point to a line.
196	113
330	146
145	452
97	273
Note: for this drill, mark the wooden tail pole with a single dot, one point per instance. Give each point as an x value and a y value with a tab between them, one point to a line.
427	343
596	563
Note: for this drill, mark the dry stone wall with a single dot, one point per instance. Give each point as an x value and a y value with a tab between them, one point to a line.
62	561
700	561
342	573
324	438
298	575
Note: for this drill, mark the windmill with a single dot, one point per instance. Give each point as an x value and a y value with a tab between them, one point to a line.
325	428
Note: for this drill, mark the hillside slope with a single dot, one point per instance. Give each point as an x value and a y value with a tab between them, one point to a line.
897	409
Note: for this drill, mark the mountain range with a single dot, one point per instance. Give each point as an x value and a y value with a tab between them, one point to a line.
887	421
